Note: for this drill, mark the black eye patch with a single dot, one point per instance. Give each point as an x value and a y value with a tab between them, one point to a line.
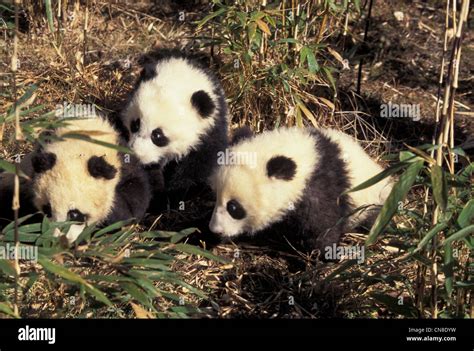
281	167
135	126
43	161
203	103
158	138
236	210
76	216
99	168
47	210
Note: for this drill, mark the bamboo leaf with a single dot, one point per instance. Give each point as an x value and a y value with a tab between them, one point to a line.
191	249
466	217
182	234
49	15
398	193
306	111
7	267
5	308
378	177
431	233
263	26
211	16
440	187
448	269
10	168
459	235
87	138
75	278
312	63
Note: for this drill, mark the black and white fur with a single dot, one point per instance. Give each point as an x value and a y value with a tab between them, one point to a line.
295	188
177	121
81	181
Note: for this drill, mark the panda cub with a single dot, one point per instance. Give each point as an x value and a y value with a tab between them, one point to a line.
290	182
177	121
77	180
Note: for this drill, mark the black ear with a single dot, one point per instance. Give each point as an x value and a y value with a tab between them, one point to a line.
241	134
148	72
43	161
99	168
203	103
281	167
46	137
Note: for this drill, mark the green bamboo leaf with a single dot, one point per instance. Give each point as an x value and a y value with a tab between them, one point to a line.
251	31
378	177
407	156
146	262
342	268
464	175
11	225
431	233
466	217
75	278
440	187
290	41
182	234
23	99
448	269
392	303
314	67
465	285
5	308
211	16
303	54
136	293
191	249
398	193
330	77
113	227
7	267
49	15
459	235
87	138
10	168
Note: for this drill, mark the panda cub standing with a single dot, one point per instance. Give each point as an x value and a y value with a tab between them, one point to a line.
294	186
177	123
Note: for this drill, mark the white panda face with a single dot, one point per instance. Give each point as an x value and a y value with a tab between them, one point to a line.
170	112
75	180
236	206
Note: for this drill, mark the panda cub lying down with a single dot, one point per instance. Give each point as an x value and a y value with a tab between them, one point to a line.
76	180
294	186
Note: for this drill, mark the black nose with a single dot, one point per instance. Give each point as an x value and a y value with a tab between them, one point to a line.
76	216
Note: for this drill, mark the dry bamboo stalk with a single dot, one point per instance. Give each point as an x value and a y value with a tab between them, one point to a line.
421	269
447	131
84	53
19	136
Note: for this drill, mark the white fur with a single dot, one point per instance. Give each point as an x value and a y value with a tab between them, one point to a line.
360	168
165	102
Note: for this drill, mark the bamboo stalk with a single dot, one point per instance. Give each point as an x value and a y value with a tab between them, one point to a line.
421	269
18	136
446	132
